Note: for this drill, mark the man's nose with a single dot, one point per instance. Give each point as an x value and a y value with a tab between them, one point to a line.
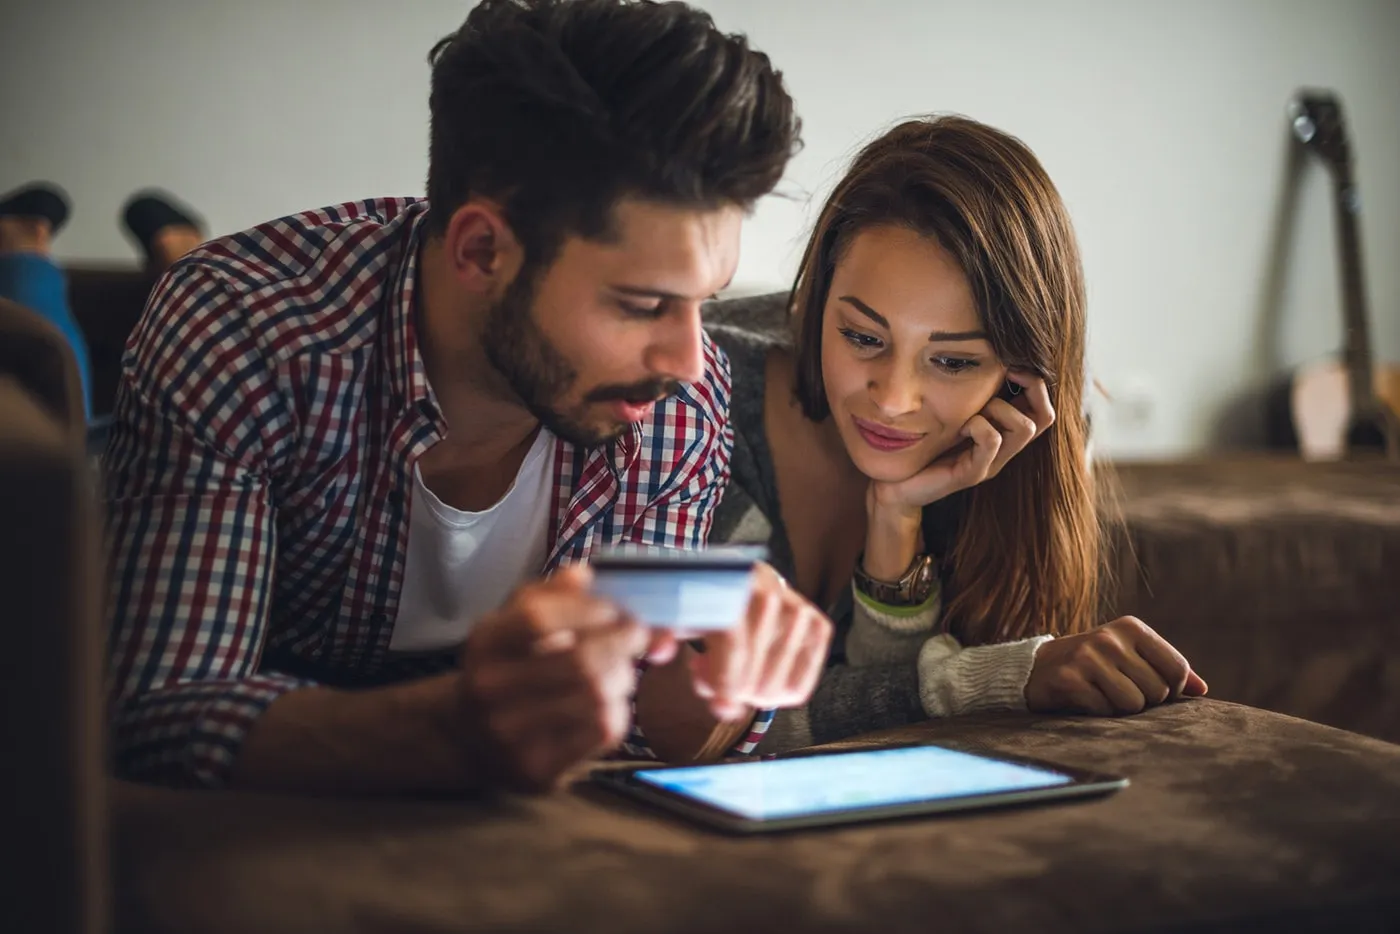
679	352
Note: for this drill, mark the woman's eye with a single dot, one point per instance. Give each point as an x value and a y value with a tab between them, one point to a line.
954	364
857	339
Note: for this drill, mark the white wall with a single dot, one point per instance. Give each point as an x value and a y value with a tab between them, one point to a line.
1161	120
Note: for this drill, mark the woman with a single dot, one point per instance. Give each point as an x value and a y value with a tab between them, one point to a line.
917	456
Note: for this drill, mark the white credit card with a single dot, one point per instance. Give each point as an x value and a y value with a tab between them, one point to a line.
698	591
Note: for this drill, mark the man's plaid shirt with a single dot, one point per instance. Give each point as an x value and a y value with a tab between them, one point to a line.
272	405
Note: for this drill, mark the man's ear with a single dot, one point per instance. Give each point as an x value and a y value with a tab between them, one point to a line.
481	248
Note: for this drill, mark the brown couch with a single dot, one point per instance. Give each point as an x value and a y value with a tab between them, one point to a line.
1238	819
53	798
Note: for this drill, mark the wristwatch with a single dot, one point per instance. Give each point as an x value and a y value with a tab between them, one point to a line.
912	588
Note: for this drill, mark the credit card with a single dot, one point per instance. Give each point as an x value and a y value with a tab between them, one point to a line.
701	590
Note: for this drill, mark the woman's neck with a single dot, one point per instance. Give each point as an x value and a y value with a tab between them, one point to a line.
810	465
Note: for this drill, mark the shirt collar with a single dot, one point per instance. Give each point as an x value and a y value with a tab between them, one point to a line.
408	375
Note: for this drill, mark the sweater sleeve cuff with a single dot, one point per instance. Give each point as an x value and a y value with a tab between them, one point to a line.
903	620
955	680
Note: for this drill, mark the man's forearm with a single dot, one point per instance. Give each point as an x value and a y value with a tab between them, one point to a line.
677	723
396	739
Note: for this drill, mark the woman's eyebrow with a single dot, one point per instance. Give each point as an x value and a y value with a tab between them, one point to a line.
879	319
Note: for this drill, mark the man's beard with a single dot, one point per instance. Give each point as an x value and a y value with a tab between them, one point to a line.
541	376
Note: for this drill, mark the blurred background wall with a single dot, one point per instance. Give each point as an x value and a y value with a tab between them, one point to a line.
1162	121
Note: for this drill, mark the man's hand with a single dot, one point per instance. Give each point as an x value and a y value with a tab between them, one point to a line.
546	681
773	658
1120	667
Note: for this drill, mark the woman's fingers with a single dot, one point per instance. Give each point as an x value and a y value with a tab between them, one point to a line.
977	462
1034	400
1081	694
1120	690
1170	664
1016	428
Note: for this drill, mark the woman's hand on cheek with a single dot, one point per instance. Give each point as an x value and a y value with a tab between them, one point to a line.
1121	667
989	440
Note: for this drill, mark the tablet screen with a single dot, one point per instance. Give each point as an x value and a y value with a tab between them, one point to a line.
780	788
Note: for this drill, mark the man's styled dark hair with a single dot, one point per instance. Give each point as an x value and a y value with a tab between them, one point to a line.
559	108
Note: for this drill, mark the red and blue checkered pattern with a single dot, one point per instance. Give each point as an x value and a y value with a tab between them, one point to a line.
273	402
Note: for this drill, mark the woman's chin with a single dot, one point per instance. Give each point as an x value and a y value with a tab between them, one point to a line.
890	467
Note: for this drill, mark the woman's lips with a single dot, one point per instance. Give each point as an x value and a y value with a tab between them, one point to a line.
883	438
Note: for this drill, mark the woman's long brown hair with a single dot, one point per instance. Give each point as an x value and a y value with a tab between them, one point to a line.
1028	555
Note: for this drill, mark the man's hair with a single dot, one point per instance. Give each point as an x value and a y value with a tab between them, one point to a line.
557	109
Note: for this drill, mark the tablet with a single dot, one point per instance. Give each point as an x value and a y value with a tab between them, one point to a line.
846	786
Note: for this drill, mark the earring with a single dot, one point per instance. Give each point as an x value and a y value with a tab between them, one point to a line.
1013	388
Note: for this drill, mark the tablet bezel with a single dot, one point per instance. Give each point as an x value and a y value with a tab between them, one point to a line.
1083	783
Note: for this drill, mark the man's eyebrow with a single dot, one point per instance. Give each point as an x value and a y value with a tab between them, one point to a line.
644	291
879	319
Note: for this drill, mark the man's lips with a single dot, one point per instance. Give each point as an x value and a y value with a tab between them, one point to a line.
633	412
884	438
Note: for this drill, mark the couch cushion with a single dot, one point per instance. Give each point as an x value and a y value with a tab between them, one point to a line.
52	792
1279	579
1236	820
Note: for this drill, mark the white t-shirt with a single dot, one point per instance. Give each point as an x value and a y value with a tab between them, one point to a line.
461	565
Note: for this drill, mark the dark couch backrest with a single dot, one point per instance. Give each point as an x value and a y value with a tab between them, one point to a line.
52	803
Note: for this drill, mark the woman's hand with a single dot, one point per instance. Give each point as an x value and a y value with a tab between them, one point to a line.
1120	667
990	439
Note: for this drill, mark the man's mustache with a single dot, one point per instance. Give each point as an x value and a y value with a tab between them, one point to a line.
636	393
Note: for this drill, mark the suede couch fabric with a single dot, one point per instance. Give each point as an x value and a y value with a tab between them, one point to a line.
1236	820
52	790
1280	580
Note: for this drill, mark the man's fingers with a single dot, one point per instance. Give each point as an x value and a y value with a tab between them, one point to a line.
779	672
1195	686
810	661
662	647
545	739
544	616
766	621
601	662
572	576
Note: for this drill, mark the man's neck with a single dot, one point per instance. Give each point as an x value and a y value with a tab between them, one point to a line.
486	424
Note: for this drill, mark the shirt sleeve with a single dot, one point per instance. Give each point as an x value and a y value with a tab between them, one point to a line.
699	427
192	544
682	516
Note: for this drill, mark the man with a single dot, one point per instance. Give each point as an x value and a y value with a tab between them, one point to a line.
349	441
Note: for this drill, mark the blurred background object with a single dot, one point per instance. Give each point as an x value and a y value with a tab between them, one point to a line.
1164	124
